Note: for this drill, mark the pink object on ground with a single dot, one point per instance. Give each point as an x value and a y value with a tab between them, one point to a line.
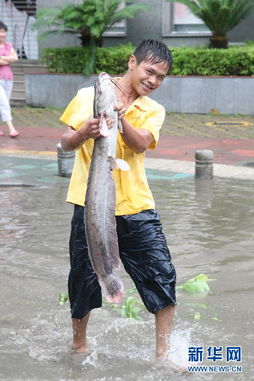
1	133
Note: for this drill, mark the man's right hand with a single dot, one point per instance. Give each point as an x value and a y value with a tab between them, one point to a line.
72	139
90	129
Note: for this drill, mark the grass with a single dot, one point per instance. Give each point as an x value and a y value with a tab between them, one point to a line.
37	117
175	124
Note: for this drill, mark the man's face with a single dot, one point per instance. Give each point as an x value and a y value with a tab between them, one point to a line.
147	76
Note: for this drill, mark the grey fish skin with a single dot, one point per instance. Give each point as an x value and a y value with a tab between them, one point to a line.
100	197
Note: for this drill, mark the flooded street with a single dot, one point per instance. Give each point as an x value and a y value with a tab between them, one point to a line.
209	229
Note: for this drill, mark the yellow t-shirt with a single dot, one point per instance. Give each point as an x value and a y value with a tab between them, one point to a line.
132	190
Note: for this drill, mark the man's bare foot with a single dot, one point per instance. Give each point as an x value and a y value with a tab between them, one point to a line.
79	348
166	362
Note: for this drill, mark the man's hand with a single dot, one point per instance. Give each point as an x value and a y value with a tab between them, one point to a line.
121	109
91	128
72	139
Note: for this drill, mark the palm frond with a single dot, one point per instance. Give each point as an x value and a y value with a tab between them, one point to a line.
129	11
220	16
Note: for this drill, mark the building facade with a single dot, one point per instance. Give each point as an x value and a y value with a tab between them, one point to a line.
171	23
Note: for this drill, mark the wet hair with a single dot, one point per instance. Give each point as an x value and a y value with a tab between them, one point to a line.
153	51
3	26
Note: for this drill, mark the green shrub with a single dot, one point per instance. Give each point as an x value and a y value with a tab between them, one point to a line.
235	61
113	60
65	60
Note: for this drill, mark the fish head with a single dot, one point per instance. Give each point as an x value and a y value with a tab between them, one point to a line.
105	97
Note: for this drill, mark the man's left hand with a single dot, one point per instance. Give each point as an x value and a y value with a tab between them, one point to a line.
121	109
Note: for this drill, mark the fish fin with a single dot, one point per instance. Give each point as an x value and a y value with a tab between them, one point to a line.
103	127
121	164
120	127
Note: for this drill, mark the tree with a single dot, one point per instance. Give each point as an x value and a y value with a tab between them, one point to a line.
220	16
90	20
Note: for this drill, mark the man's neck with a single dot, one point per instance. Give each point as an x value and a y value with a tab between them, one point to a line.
129	95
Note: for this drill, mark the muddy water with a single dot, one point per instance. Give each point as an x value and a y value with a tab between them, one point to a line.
209	228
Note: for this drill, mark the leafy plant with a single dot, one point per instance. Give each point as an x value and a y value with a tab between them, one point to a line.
63	298
197	316
235	61
220	16
90	20
131	308
196	285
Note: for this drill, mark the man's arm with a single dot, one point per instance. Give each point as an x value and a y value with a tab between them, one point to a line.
138	140
72	139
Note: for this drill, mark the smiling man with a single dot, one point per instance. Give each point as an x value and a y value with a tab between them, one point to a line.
142	244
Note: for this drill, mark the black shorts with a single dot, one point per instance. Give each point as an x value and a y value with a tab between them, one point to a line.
144	254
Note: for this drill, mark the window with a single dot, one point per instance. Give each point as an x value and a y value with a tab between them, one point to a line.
119	28
177	19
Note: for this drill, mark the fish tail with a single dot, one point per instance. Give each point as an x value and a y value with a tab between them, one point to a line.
113	287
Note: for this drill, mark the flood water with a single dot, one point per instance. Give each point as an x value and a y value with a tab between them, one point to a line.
209	229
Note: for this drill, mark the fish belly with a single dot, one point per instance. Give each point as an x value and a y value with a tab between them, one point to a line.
101	224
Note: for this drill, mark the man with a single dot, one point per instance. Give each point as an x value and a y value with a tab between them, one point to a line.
142	245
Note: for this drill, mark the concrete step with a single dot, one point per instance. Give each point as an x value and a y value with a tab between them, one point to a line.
19	69
18	102
28	66
18	85
17	91
19	77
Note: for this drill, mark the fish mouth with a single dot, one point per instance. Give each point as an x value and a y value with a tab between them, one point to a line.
103	74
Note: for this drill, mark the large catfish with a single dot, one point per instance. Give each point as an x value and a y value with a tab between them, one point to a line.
100	195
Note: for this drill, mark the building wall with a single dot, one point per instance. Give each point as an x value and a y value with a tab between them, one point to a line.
56	40
19	18
225	94
244	31
149	24
146	24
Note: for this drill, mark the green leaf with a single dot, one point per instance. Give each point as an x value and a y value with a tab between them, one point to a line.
197	285
63	298
216	318
197	316
131	308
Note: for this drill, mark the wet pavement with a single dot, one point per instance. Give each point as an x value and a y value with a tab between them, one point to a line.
209	229
180	148
232	158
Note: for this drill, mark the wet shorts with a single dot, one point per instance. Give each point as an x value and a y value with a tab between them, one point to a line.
144	254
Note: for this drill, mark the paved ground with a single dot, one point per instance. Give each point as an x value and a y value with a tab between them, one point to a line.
182	134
